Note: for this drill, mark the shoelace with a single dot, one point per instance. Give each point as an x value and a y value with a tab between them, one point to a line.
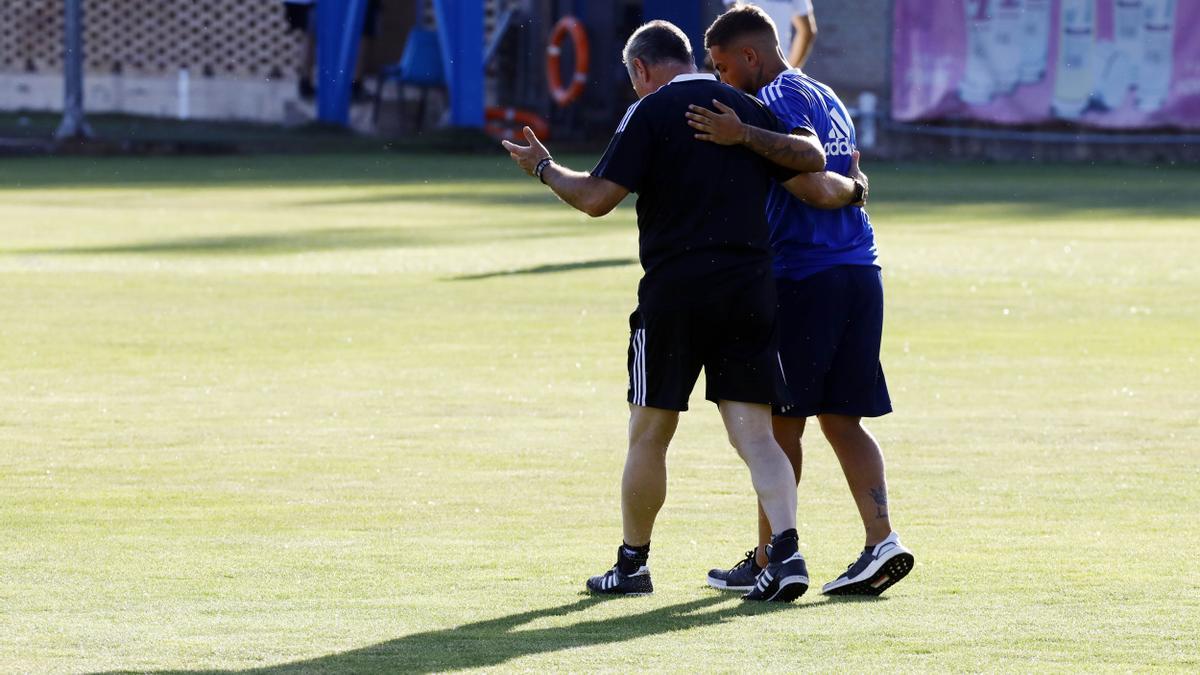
864	553
748	560
609	579
614	574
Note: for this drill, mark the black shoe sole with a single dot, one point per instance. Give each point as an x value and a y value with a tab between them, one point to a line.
790	592
631	594
892	571
641	588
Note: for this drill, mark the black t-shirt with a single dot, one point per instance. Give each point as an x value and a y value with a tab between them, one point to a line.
702	226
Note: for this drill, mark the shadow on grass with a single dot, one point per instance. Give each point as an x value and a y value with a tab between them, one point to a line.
491	643
852	599
263	171
1029	190
302	241
458	194
550	269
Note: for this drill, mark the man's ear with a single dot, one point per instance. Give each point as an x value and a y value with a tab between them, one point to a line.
640	69
751	56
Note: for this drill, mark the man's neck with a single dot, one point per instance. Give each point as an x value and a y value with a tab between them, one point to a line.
669	72
772	68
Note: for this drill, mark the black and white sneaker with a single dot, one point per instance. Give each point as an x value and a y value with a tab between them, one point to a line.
781	582
875	571
740	577
616	582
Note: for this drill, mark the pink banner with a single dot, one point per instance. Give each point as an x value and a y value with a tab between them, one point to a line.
1121	64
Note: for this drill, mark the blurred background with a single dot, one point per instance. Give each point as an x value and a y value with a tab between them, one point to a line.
284	331
997	79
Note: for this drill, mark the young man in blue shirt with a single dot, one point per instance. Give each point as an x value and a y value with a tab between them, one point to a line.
830	292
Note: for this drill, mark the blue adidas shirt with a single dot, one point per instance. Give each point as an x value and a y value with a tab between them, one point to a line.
807	240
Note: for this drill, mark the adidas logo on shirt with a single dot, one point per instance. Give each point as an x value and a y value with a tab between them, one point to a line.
839	135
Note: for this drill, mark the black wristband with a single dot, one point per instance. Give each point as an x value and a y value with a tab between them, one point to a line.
541	166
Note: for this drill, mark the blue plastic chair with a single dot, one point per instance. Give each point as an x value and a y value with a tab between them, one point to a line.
419	66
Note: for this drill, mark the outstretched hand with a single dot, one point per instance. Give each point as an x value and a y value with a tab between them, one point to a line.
722	128
527	156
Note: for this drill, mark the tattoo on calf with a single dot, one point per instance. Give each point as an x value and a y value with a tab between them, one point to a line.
879	494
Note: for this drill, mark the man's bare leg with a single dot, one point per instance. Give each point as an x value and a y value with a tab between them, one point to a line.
862	463
643	491
788	431
749	428
644	483
785	576
884	560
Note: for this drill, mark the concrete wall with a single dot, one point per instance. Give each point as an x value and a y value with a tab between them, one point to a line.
853	50
209	98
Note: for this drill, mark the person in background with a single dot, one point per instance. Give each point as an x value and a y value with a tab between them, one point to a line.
300	17
369	32
796	23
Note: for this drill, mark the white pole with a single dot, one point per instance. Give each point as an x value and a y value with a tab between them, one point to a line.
185	102
868	117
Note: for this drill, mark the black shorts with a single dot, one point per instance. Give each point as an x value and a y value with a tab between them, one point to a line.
734	339
830	329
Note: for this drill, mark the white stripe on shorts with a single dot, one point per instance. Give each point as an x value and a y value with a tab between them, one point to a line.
638	376
642	372
633	367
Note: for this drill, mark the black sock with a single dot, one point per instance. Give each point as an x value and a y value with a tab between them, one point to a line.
783	546
632	557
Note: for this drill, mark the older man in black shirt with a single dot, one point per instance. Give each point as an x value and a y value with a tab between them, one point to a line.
707	299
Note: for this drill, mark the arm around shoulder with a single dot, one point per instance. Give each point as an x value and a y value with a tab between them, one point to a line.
825	190
831	190
797	152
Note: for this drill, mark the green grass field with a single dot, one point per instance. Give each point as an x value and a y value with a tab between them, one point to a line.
352	413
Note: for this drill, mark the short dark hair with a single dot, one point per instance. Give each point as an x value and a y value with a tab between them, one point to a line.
740	20
656	42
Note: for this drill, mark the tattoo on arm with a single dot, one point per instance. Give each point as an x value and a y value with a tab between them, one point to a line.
879	494
783	150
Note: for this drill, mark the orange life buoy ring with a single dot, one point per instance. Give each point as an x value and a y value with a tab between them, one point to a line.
566	95
505	124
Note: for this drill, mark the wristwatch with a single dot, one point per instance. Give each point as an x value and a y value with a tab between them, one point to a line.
860	193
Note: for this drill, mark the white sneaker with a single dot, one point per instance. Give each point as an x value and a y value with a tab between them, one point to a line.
875	571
